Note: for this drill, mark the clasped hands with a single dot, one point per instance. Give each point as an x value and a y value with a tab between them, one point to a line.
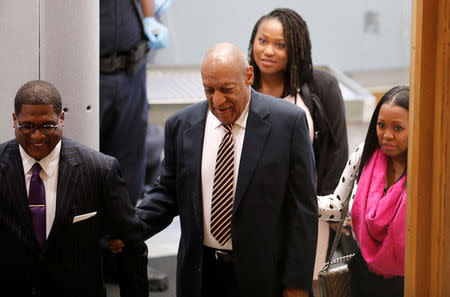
116	245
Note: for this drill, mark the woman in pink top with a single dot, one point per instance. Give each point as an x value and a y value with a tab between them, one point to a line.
377	173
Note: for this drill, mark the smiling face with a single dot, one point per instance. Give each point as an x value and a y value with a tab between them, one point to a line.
269	47
226	81
38	145
392	130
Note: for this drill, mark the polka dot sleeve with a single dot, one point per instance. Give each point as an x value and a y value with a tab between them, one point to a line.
330	206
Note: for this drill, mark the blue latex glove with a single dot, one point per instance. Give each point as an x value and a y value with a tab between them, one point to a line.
157	33
161	6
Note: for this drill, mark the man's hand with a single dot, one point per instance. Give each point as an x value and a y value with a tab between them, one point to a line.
156	32
115	245
293	292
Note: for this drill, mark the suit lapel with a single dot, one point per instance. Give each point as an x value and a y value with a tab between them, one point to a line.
256	132
192	151
16	197
68	183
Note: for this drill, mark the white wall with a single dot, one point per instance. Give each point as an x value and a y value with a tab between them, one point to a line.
56	41
339	34
69	57
19	55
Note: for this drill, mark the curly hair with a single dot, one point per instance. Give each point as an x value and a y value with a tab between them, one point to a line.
299	68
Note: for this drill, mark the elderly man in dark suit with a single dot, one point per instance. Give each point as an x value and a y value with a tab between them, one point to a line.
240	174
57	198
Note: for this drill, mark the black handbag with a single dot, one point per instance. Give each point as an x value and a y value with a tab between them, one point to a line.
334	278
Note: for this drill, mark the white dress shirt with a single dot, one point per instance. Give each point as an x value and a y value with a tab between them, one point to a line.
49	176
214	133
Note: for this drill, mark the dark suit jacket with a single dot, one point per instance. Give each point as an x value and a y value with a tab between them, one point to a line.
332	149
274	222
70	262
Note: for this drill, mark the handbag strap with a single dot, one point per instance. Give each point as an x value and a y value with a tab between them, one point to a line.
337	237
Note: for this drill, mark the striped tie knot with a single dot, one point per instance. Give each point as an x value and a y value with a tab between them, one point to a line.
228	127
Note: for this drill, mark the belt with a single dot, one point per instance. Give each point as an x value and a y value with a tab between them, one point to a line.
221	256
130	61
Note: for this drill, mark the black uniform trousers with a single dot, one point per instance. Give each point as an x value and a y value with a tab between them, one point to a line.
123	125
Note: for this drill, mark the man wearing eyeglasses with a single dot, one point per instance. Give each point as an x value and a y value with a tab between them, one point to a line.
57	199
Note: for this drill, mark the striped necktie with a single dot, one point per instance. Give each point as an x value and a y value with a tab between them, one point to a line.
222	195
36	200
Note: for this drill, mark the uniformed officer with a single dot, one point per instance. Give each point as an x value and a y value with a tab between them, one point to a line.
128	28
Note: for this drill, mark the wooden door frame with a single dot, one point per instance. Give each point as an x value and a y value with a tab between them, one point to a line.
427	261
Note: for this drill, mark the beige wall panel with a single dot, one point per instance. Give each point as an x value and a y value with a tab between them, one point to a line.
19	55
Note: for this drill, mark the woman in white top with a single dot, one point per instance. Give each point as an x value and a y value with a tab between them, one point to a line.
376	174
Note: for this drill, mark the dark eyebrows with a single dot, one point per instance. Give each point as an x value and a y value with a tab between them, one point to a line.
276	40
31	123
397	122
393	122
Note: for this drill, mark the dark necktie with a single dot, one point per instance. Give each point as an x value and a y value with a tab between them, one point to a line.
37	204
222	195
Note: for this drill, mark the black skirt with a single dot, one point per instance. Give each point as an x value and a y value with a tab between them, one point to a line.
367	284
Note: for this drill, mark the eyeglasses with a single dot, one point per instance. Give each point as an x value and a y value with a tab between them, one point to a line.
45	129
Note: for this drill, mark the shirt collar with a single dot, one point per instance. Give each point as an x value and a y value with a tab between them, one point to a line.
241	121
48	163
